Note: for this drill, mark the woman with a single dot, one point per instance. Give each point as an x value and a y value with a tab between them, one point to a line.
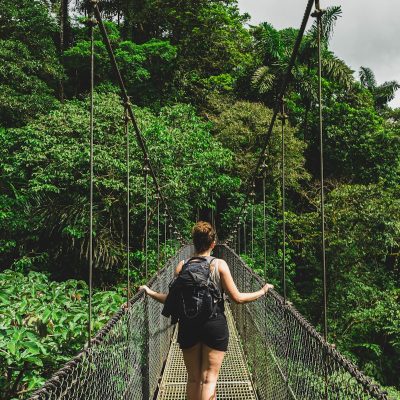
204	347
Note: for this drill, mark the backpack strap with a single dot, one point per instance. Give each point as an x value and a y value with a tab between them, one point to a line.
210	262
200	258
190	260
212	259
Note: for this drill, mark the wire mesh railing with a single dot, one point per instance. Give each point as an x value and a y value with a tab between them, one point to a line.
287	357
127	355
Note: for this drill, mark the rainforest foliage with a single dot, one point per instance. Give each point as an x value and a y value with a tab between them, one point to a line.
203	83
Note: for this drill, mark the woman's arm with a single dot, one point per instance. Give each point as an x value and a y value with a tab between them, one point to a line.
232	290
179	268
160	297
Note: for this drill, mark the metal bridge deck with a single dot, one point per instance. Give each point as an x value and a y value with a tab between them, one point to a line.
234	379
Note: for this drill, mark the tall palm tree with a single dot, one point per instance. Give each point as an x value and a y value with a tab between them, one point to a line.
383	93
274	49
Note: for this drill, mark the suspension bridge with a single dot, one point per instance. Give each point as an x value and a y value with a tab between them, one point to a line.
274	353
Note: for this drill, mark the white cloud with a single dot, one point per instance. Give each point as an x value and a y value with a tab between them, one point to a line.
368	33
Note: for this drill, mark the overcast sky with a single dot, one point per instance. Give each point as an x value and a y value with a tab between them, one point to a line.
367	34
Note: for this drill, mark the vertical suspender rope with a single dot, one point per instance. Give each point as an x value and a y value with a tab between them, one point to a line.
239	241
215	213
146	226
245	232
283	122
318	14
170	226
235	241
165	215
176	240
264	173
126	126
252	194
128	219
158	231
283	117
92	22
212	210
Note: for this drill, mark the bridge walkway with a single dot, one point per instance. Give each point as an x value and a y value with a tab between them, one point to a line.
234	381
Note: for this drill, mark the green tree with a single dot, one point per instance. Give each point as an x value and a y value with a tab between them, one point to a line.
46	164
209	35
30	69
147	68
241	127
359	145
363	239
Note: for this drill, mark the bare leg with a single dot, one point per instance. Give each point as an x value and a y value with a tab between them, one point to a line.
211	364
192	358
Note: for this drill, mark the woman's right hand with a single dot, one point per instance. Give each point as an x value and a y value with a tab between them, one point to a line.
144	288
267	287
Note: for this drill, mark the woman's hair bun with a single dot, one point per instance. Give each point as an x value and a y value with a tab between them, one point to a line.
203	235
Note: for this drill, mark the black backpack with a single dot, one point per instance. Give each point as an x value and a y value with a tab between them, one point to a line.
192	294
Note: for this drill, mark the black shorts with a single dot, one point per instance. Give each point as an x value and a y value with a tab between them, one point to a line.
213	333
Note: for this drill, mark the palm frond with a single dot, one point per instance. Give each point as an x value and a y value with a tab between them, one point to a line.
385	93
263	80
329	19
268	42
367	78
338	71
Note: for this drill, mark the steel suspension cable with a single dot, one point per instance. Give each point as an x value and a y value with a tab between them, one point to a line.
92	23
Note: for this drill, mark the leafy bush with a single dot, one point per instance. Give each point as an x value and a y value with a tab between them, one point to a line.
42	325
